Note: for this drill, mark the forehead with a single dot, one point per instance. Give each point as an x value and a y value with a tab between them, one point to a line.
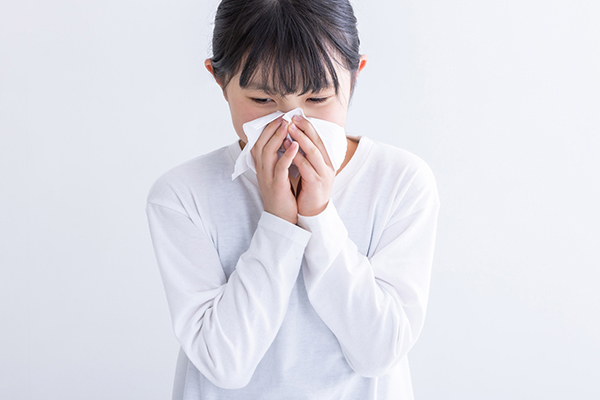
280	77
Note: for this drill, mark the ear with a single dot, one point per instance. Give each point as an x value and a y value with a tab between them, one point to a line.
362	63
209	68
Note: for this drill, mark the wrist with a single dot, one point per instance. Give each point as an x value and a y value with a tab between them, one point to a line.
313	211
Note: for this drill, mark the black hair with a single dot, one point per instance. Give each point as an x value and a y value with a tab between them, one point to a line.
285	46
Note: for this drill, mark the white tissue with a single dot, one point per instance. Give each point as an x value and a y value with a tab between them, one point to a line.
332	135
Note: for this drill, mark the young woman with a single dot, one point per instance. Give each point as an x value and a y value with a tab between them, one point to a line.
283	287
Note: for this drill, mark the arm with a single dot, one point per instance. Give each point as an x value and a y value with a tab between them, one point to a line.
375	307
225	327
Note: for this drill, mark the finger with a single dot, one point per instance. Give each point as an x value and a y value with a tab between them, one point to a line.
287	143
266	134
261	153
309	130
313	154
284	163
306	169
276	140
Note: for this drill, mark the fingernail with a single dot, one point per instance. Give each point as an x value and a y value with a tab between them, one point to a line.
293	127
297	118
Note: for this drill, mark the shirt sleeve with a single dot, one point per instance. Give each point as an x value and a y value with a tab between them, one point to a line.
225	327
374	306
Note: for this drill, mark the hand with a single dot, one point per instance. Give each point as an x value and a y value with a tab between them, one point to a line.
272	171
316	171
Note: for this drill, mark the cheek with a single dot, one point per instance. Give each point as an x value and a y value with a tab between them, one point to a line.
241	113
334	112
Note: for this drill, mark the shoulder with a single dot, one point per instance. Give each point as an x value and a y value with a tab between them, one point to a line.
392	163
199	174
410	179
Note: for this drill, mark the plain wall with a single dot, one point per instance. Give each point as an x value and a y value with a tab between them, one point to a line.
99	98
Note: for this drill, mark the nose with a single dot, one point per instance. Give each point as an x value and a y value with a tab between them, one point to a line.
290	103
291	109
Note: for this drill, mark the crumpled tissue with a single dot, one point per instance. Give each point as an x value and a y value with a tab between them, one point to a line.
332	135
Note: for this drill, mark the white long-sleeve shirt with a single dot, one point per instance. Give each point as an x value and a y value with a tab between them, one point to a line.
325	309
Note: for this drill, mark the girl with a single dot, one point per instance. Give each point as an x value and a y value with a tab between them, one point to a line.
283	287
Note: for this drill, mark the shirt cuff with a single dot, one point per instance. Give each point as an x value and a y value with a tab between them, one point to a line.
327	219
284	228
328	233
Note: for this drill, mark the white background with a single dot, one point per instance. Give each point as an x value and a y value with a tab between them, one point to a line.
98	98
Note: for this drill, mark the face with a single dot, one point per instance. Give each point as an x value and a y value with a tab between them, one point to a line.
247	104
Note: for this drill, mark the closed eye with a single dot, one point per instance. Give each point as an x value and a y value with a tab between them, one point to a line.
260	101
318	99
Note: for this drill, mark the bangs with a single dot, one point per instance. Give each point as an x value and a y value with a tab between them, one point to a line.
287	56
